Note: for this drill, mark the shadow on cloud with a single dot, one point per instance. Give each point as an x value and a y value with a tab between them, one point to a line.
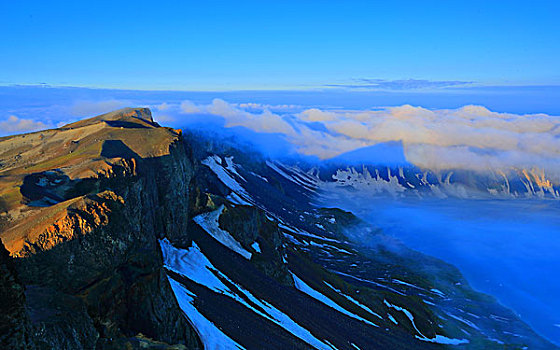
470	137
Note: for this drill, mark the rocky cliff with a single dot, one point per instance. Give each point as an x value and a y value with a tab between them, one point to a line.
15	328
94	198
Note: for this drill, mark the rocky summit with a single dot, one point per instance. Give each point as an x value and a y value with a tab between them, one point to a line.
119	233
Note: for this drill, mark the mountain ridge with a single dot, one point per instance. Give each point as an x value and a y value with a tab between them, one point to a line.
126	234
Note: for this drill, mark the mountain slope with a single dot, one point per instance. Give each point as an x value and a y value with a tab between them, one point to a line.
426	297
125	234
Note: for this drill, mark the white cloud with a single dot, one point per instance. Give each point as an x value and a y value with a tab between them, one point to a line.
316	115
462	157
261	106
164	118
306	140
163	107
93	108
264	121
14	124
471	126
471	137
187	107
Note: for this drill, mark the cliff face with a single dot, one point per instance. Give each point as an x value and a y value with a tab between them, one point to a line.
15	332
86	240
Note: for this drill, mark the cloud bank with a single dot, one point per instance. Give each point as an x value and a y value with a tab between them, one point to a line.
14	124
305	139
92	108
470	137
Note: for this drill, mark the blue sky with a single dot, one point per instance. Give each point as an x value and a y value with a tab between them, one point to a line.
210	45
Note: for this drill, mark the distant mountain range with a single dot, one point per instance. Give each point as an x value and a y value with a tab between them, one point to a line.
410	180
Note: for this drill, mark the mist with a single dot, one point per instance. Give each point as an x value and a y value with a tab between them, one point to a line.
505	248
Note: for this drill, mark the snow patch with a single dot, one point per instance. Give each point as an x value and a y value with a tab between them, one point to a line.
259	176
439	339
256	247
305	233
236	199
438	292
210	335
298	177
193	264
369	281
406	284
368	183
231	166
305	288
329	247
226	176
467	322
367	309
407	314
209	222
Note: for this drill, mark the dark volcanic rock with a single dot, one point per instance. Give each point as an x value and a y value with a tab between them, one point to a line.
60	321
14	322
92	262
249	224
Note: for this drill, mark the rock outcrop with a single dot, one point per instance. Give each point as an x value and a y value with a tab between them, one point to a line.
15	328
86	238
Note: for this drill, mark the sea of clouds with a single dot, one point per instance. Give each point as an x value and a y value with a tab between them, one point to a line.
468	137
